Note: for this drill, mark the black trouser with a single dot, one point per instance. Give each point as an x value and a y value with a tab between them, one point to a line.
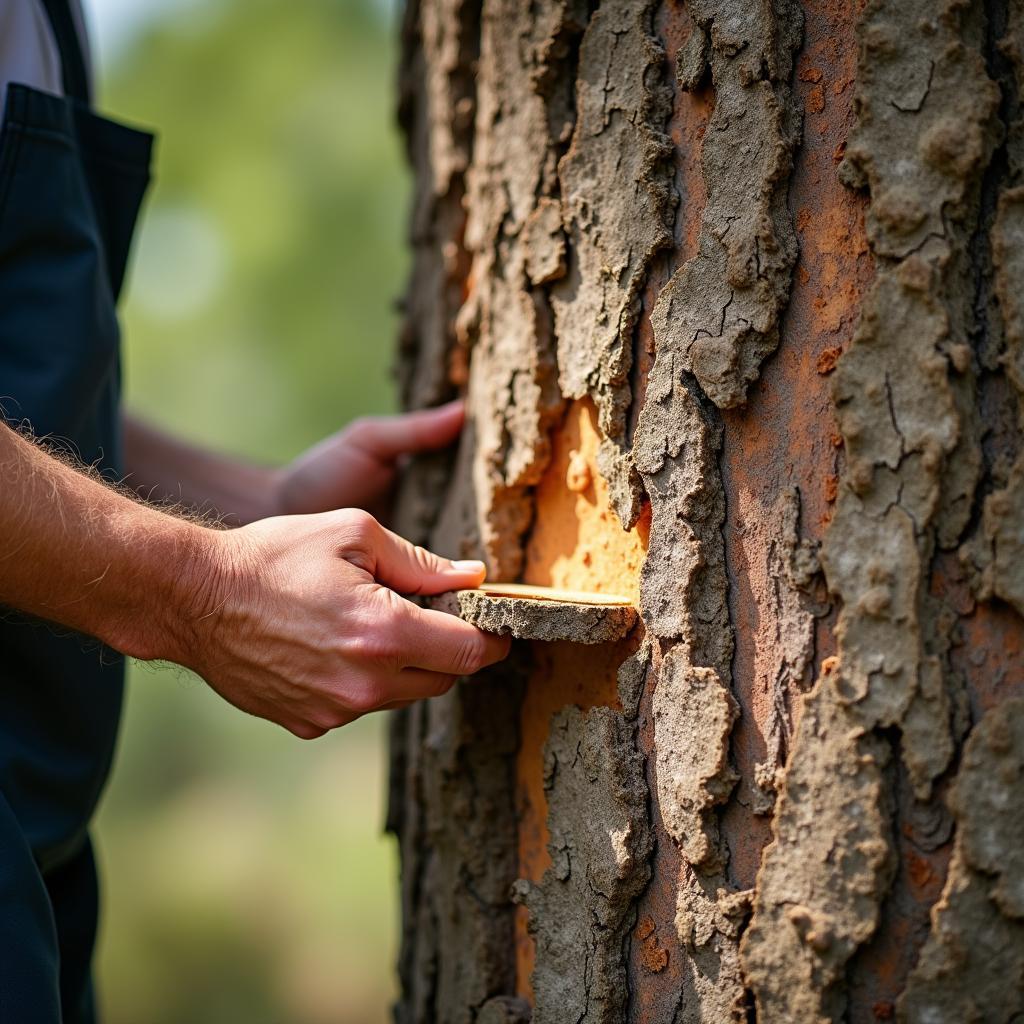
47	930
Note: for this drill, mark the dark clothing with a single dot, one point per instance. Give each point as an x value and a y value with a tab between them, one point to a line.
70	188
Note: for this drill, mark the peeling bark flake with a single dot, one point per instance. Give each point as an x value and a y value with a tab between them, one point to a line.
505	322
693	715
825	871
719	314
617	209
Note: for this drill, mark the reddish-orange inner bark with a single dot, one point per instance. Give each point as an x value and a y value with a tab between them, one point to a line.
577	543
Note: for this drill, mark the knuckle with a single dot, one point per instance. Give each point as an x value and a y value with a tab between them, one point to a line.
358	537
358	524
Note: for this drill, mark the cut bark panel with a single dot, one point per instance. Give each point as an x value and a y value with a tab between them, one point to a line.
541	613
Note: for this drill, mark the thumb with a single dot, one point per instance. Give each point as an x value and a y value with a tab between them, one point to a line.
410	569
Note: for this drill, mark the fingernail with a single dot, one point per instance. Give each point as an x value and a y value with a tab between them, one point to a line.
469	566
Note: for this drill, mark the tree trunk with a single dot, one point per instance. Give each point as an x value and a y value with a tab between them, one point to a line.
734	291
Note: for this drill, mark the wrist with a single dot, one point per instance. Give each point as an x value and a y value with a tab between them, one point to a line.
191	581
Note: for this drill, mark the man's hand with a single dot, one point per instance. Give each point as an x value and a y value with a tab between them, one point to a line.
296	619
356	467
305	625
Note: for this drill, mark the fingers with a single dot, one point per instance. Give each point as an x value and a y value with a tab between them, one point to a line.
439	642
439	649
389	437
405	567
412	653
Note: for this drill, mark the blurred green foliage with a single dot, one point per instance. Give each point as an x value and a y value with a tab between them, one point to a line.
245	876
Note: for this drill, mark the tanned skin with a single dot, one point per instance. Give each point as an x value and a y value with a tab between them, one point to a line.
297	616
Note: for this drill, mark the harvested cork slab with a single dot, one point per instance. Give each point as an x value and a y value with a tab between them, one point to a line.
541	613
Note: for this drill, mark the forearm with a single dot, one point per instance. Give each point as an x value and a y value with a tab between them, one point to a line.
164	468
79	553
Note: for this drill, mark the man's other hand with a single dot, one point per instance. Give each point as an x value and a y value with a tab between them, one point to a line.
356	467
301	619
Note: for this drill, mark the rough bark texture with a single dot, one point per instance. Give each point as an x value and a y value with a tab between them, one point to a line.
733	291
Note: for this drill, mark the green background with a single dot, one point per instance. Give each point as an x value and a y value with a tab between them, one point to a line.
245	874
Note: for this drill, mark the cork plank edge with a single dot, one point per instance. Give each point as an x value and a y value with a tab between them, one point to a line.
539	618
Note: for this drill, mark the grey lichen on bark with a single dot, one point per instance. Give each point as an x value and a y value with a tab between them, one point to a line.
898	417
693	715
631	678
682	582
793	570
